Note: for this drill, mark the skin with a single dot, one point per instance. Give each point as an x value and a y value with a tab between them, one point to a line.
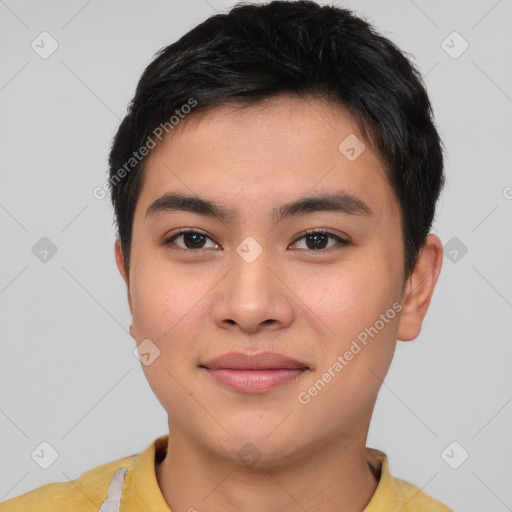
292	299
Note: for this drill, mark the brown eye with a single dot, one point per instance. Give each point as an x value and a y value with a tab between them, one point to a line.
317	240
191	240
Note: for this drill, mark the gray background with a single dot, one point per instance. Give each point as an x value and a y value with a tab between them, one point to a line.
68	375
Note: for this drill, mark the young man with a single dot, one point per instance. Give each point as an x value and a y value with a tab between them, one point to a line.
274	184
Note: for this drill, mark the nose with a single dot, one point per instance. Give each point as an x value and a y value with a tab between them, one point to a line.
253	297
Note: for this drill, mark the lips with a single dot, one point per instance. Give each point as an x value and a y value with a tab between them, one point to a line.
261	361
255	373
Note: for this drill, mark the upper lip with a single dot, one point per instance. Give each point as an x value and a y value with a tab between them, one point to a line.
261	361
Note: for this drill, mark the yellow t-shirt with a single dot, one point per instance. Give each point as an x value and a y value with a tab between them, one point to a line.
130	485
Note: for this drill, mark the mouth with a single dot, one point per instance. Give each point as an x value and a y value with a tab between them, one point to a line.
256	373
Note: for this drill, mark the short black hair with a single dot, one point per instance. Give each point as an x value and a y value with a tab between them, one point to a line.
257	51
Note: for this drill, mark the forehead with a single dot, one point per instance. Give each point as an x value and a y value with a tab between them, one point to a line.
283	148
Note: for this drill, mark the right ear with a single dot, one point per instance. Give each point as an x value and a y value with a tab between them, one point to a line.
120	262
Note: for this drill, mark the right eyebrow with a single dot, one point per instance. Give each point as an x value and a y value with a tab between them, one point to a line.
172	201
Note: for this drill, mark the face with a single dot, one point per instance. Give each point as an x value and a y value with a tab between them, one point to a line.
322	285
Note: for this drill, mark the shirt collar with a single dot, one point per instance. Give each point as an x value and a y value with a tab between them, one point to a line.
141	481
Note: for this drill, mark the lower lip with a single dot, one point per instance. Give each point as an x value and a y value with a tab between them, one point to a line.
255	381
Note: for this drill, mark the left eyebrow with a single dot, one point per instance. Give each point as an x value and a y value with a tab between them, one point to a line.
341	202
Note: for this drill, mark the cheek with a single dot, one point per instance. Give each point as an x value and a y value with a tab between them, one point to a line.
162	299
170	309
355	352
348	298
167	311
359	310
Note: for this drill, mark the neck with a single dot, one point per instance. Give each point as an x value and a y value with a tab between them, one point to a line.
331	477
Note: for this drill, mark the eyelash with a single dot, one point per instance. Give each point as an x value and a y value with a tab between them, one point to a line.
169	240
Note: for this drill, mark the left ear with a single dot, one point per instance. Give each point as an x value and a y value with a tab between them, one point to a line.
420	287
